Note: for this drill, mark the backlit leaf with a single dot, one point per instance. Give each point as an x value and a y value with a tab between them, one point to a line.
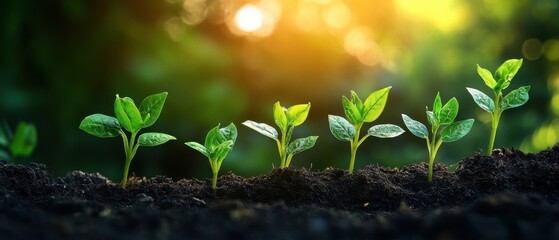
482	100
262	128
415	127
374	104
341	128
487	77
351	111
385	131
456	130
152	106
297	114
280	116
448	112
128	114
506	72
515	98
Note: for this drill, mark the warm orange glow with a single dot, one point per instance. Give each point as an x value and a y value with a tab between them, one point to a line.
359	42
249	18
308	17
337	16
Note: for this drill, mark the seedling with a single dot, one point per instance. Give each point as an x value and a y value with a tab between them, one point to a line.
219	143
286	119
131	119
19	144
358	112
498	82
442	123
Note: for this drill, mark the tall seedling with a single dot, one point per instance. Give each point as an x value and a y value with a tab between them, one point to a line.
357	113
131	119
498	82
442	124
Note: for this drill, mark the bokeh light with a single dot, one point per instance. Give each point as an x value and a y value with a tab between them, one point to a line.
249	18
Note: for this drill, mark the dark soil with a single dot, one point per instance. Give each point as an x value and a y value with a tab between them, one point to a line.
509	195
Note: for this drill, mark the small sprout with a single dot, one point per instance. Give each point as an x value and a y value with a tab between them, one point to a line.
132	119
442	123
498	82
22	143
358	112
286	119
219	143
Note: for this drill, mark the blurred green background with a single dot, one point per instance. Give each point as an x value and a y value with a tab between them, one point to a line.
63	60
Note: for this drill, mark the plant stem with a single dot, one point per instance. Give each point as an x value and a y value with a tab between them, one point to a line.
432	157
282	149
496	116
288	160
214	179
354	145
130	151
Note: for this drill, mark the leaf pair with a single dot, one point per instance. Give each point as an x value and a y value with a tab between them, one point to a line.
343	130
130	118
358	112
286	119
441	116
503	75
20	143
218	144
515	98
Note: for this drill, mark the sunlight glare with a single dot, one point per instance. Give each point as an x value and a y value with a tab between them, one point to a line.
337	16
249	18
445	15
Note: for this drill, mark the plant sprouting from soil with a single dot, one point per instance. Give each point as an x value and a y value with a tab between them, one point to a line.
20	143
442	124
218	144
286	119
498	82
357	113
131	119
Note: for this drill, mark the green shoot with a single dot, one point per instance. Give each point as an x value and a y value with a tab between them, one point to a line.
219	143
442	124
358	112
21	143
286	119
498	82
131	119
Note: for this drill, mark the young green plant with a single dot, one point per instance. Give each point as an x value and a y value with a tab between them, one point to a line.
22	143
286	119
357	113
218	144
442	124
498	82
131	119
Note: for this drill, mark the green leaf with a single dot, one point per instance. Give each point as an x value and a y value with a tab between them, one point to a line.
280	116
154	139
456	130
437	106
221	151
506	72
415	127
128	114
515	98
385	131
152	106
351	111
25	140
487	77
214	138
341	128
198	147
262	128
482	100
100	125
288	134
448	112
301	144
374	104
357	101
430	117
297	114
229	132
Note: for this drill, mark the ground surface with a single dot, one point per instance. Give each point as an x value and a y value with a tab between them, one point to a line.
510	195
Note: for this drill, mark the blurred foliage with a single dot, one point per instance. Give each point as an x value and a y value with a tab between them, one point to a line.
63	59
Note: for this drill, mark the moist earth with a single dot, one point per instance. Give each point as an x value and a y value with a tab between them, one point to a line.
508	195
